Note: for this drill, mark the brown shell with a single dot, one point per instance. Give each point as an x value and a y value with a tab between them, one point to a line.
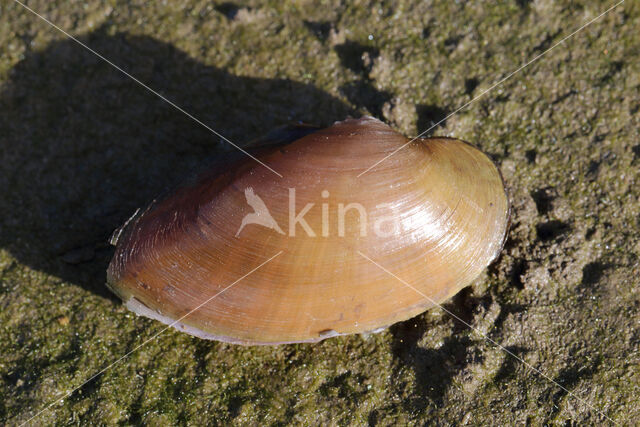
436	216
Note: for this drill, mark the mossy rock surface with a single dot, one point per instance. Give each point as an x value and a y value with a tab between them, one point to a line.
82	146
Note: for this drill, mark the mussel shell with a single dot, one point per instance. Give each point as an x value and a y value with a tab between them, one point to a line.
437	215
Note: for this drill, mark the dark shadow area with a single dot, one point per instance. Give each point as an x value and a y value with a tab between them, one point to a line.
345	386
428	116
435	368
524	4
593	168
546	42
82	145
451	43
470	85
531	155
463	305
518	270
320	29
360	59
543	199
505	311
363	93
510	364
357	57
228	9
593	272
551	230
569	378
614	69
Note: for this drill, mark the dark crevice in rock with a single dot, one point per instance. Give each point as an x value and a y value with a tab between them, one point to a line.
518	270
531	155
428	116
551	230
543	199
614	68
319	29
452	42
434	368
524	4
592	169
357	57
228	9
593	272
362	93
470	85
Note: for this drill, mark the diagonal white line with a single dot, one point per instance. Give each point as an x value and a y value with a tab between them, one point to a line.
174	105
542	374
496	84
147	341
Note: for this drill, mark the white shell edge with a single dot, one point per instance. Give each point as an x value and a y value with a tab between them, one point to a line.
139	308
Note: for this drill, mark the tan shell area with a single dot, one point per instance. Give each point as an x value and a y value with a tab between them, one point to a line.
436	216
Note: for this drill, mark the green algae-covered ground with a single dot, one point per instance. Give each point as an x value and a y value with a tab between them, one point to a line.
82	146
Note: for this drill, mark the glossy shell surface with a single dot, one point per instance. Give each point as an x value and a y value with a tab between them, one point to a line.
435	215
